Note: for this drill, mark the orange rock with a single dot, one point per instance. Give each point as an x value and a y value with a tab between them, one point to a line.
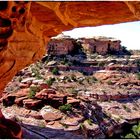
50	114
30	103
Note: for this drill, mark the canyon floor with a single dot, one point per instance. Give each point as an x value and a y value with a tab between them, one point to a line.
75	97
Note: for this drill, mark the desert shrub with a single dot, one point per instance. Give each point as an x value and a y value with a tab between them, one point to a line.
73	77
126	108
55	71
136	130
64	125
91	80
101	64
32	91
109	82
20	79
81	126
130	136
125	51
73	91
36	73
138	63
134	133
66	107
89	121
64	61
138	76
94	79
50	81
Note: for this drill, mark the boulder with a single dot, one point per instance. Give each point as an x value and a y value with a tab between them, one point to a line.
43	94
51	63
50	114
55	125
74	102
19	101
32	104
92	130
72	119
26	80
57	100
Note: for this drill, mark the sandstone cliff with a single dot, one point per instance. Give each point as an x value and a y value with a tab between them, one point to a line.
65	45
101	45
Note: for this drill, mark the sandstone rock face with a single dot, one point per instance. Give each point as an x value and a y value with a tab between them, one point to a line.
100	45
61	46
25	27
64	45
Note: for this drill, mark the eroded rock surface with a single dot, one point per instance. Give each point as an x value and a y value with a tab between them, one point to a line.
98	105
25	28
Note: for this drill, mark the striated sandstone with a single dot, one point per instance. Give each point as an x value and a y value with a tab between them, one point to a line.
61	46
100	45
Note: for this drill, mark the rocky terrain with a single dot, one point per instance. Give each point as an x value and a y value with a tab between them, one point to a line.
27	26
77	96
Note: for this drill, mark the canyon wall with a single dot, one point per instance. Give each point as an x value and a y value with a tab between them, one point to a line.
25	27
61	46
65	45
101	45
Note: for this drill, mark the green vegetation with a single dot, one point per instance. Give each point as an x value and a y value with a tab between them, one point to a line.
55	71
94	79
72	90
91	79
109	82
36	73
64	61
129	136
81	126
20	79
65	125
50	81
66	107
101	64
125	51
138	76
42	125
73	77
32	91
138	63
126	108
89	121
134	133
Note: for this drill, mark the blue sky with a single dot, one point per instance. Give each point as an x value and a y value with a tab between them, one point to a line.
128	33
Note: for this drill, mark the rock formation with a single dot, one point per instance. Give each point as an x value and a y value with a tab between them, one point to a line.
61	46
100	45
25	27
65	45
